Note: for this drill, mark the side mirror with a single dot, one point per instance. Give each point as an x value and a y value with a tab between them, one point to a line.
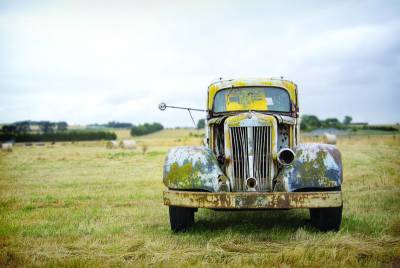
162	106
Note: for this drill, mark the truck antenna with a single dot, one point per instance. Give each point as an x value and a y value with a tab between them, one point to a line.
162	106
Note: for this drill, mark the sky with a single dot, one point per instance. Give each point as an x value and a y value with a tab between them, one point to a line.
97	61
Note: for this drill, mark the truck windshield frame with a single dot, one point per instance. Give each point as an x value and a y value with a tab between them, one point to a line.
252	98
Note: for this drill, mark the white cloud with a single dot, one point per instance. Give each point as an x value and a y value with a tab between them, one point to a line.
91	61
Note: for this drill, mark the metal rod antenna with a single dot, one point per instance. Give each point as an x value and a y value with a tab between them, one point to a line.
163	106
192	109
192	118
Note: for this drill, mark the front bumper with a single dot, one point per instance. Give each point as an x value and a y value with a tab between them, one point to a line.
252	200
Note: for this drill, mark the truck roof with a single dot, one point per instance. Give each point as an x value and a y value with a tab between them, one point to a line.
248	82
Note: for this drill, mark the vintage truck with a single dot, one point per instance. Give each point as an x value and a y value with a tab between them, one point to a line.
252	158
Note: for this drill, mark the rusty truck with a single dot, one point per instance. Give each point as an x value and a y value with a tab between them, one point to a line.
252	158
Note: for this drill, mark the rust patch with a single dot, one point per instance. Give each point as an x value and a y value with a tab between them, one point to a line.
246	200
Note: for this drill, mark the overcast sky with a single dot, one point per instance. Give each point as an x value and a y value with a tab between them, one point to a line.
97	61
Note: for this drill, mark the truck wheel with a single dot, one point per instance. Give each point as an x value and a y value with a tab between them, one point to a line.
181	218
326	219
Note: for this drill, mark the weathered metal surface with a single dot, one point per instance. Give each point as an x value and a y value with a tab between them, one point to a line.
252	200
247	143
194	167
315	166
286	119
222	84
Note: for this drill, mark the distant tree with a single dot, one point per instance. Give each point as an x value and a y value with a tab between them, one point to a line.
347	120
201	124
9	128
23	126
145	128
310	122
62	126
331	123
114	124
46	126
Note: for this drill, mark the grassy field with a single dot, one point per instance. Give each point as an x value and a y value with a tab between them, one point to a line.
84	205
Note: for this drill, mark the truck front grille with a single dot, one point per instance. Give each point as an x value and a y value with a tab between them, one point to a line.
251	156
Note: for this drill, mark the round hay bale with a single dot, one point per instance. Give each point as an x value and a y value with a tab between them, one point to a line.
7	147
128	144
329	138
112	145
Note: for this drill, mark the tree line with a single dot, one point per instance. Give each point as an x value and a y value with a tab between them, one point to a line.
24	131
146	128
112	124
312	122
58	136
43	126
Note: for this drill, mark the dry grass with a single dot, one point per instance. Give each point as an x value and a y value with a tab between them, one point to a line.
84	205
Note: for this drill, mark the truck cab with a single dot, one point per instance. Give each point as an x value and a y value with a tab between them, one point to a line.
252	158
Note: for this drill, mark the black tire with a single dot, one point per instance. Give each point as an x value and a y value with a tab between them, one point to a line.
181	218
326	219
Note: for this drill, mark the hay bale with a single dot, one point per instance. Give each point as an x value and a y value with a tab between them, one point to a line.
128	144
7	147
329	138
112	145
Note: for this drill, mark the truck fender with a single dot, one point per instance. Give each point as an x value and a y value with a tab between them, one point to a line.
315	166
194	168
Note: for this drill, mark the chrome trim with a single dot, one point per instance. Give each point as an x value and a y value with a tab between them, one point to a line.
251	156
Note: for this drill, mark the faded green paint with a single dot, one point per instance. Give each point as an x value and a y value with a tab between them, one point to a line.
314	169
192	168
185	175
316	166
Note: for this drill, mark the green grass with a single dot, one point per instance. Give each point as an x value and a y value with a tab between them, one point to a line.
84	205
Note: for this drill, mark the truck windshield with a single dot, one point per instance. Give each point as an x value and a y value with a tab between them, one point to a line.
252	98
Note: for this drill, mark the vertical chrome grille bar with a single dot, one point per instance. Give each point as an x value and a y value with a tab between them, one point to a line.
241	159
268	154
262	151
263	156
237	141
245	153
260	141
256	152
234	154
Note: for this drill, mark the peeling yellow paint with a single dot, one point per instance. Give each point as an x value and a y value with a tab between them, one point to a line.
223	84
